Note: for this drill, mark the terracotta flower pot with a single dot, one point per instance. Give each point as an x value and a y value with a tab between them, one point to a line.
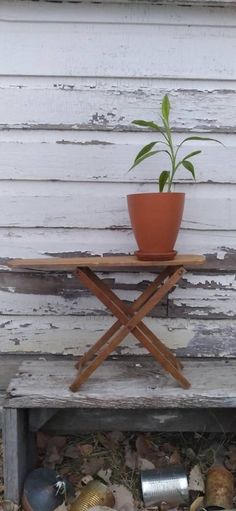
156	219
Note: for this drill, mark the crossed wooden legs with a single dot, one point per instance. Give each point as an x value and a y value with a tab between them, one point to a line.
129	320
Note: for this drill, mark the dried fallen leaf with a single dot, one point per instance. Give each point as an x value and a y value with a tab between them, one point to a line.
144	446
85	449
104	440
230	461
123	498
8	505
196	481
92	466
116	437
52	457
105	474
175	458
131	457
197	504
63	507
101	508
144	464
71	452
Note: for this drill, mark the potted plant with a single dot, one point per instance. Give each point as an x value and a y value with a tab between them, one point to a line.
156	217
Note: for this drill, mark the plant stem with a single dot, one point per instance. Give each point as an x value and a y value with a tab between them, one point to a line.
172	154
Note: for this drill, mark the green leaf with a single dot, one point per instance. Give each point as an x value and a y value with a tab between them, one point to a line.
145	150
147	124
191	154
200	138
165	107
164	176
137	162
189	166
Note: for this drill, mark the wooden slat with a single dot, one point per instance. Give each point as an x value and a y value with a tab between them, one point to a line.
124	384
217	246
51	155
81	104
73	335
19	452
105	262
108	11
74	205
84	420
51	293
132	47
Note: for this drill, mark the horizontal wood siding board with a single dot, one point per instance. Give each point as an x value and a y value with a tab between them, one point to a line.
73	159
82	205
199	295
109	12
113	104
73	335
38	39
217	246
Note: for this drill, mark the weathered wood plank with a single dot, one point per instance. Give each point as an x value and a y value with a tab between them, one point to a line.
58	160
112	104
71	335
73	421
110	12
19	452
131	42
126	384
48	294
49	204
217	246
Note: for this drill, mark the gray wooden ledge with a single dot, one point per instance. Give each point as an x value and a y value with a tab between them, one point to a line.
133	383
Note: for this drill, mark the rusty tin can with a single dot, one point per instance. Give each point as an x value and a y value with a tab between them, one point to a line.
219	492
93	494
168	484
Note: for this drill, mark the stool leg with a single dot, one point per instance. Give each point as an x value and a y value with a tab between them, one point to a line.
130	326
119	306
130	312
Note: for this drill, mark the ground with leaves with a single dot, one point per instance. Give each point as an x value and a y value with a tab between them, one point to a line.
116	458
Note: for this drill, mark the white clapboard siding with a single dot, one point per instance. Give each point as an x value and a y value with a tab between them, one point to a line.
73	335
80	103
73	76
103	205
218	246
109	12
30	49
199	295
74	159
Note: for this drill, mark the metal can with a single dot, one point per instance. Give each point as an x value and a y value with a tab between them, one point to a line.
168	484
219	488
93	494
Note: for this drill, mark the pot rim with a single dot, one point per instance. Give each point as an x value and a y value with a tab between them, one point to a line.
155	194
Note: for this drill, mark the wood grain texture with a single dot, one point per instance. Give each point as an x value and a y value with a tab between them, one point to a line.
67	156
108	262
217	246
85	420
132	384
112	104
19	452
74	205
133	47
108	11
70	335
